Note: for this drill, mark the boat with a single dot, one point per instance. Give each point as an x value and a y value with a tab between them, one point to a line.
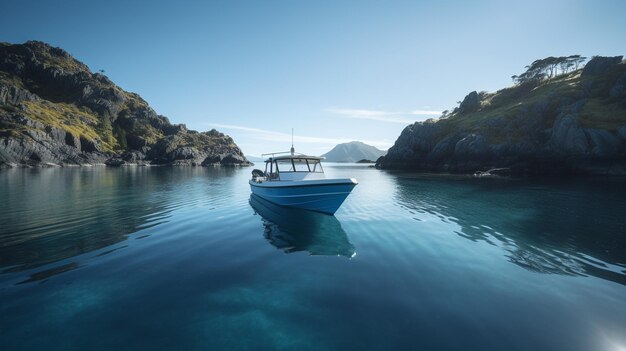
293	229
297	180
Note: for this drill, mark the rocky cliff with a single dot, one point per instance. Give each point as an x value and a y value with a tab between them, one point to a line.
55	111
573	123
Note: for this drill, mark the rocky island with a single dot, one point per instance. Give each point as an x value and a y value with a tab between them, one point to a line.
55	111
353	152
556	119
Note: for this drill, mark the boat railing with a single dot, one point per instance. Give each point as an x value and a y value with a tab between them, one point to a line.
282	152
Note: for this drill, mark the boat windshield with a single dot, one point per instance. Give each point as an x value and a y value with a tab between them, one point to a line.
315	166
295	165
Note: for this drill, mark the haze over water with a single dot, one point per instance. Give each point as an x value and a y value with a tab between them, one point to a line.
183	258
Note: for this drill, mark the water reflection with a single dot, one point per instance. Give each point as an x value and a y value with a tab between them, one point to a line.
49	215
291	230
43	275
569	228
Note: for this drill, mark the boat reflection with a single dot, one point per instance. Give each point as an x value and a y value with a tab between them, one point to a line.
292	230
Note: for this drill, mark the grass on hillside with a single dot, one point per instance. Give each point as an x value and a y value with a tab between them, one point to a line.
10	80
67	63
602	114
78	121
510	103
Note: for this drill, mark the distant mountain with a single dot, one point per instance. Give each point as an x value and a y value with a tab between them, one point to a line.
353	152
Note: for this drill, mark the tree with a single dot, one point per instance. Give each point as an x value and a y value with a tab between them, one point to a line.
536	71
577	60
565	65
548	67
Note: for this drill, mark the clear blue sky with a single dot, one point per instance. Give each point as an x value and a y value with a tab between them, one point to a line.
333	70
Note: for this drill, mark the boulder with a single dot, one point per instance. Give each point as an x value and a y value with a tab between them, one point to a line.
472	146
416	140
133	156
567	137
12	95
602	142
211	160
38	148
618	90
183	153
87	145
174	129
444	148
470	103
600	65
135	142
232	160
57	134
114	162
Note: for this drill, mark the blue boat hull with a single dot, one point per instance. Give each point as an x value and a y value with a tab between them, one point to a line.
320	196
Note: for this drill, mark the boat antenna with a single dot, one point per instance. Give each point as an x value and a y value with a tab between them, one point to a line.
292	149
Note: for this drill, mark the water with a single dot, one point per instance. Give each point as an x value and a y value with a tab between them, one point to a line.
183	258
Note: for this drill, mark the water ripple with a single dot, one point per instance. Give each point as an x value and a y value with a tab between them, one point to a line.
536	233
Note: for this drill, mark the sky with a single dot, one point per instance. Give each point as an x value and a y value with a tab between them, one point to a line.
334	71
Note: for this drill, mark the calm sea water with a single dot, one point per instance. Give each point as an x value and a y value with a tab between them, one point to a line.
183	258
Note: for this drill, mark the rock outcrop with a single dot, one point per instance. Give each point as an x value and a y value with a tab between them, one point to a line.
55	111
574	123
601	65
470	103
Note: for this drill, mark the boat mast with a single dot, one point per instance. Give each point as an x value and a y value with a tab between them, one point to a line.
292	149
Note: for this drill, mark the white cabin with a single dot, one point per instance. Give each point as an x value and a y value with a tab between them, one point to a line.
293	167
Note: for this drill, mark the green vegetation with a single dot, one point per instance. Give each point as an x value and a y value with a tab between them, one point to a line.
546	95
200	140
8	129
57	57
77	121
120	136
549	67
10	80
603	114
